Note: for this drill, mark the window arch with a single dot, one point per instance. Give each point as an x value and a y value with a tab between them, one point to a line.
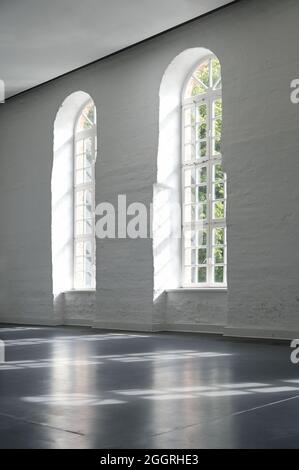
85	150
204	247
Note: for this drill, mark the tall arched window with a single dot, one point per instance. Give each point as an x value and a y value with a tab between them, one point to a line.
85	146
203	180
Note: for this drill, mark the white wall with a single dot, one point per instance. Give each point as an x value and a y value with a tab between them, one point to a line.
256	42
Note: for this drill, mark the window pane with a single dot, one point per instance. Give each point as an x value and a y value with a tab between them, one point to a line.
88	175
218	172
79	249
216	71
202	212
201	149
219	274
219	210
194	88
190	213
190	195
188	135
203	73
219	191
79	212
79	162
188	153
202	256
190	238
202	193
202	237
189	118
217	108
189	177
79	146
219	255
201	275
201	175
79	179
219	236
201	115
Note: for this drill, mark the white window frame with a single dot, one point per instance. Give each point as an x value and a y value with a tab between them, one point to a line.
79	135
209	161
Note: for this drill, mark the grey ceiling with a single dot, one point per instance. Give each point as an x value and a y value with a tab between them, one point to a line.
40	39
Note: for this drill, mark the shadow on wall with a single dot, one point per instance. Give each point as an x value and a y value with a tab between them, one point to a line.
167	190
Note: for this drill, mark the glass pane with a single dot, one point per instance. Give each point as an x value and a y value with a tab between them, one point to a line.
189	177
217	108
201	132
216	147
219	236
79	279
219	210
79	213
203	73
189	153
201	149
79	249
194	88
79	263
216	71
202	175
79	146
201	115
79	228
218	172
202	237
79	178
190	238
219	191
88	145
88	249
202	193
219	255
190	195
202	212
202	256
189	118
79	197
201	275
79	162
88	175
219	274
189	214
88	226
188	135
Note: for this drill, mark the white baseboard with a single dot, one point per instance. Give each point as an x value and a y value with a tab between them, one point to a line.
30	321
138	327
194	328
260	333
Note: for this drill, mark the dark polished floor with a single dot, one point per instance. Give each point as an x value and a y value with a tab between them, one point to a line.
83	388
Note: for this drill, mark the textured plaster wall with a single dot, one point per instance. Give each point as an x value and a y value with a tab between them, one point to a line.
257	44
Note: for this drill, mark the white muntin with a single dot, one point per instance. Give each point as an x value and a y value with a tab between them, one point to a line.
2	351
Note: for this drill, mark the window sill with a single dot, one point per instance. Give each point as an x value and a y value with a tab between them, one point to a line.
197	289
78	291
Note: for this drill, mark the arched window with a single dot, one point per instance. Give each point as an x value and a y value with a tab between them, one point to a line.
203	180
85	149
